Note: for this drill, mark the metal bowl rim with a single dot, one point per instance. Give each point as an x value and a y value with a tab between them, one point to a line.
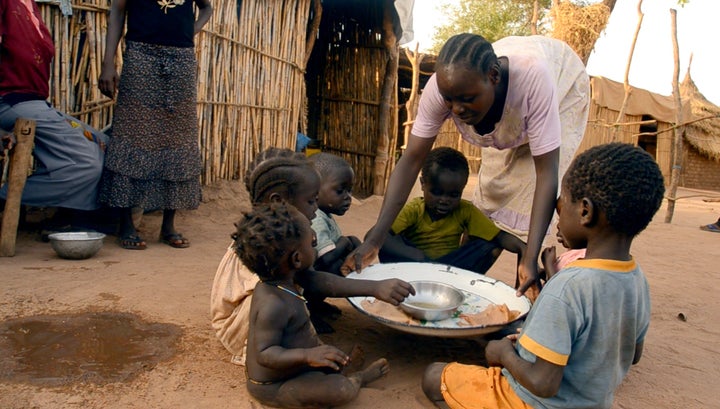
76	236
450	307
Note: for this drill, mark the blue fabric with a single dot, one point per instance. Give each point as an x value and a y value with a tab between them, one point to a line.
301	142
68	164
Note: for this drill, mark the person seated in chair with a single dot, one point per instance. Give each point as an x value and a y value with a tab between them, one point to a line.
68	153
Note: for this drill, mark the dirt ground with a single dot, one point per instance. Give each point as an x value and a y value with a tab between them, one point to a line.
167	285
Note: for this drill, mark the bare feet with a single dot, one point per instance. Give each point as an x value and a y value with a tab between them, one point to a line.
357	360
373	372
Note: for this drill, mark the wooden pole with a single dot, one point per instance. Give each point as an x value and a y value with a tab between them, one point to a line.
677	147
17	175
415	59
389	88
534	18
626	82
313	30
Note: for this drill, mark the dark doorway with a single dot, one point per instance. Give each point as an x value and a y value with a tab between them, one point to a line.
648	136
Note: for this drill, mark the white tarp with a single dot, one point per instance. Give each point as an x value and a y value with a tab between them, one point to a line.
404	9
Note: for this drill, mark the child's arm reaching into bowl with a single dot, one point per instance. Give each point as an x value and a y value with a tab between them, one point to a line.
392	290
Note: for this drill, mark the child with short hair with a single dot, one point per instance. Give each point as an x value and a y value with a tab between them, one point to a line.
278	175
287	364
430	228
589	323
336	183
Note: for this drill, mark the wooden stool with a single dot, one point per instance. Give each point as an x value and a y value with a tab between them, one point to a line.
20	159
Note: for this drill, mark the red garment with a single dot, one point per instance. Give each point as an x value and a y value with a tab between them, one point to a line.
26	50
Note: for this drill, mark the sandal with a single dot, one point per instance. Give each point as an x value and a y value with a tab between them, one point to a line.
132	242
175	240
711	227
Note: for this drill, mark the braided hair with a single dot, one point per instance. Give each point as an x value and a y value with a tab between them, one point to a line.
621	180
445	159
273	169
467	50
265	235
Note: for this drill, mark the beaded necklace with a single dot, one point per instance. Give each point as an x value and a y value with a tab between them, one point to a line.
296	295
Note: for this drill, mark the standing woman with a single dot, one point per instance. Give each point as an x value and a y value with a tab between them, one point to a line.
525	100
153	160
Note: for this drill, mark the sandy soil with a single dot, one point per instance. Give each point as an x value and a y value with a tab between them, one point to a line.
169	285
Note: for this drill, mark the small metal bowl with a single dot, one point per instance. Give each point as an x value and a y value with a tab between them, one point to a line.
433	301
76	245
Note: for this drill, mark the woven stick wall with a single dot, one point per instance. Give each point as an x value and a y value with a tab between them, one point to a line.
599	129
448	135
344	80
250	75
79	46
250	81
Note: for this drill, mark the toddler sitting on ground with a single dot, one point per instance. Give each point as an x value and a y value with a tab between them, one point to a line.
335	196
287	363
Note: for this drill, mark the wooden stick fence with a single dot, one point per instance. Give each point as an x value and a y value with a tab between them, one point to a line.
251	65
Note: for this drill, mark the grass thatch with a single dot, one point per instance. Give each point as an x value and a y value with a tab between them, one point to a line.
579	26
704	134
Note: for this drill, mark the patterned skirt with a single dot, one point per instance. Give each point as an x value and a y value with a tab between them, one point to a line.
152	160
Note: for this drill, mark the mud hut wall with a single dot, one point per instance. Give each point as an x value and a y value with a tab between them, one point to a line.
344	85
599	131
250	75
699	171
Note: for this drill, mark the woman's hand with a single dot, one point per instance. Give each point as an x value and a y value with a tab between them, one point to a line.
108	82
528	279
360	258
543	206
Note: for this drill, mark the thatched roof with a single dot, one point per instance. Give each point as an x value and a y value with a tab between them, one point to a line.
704	134
610	94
